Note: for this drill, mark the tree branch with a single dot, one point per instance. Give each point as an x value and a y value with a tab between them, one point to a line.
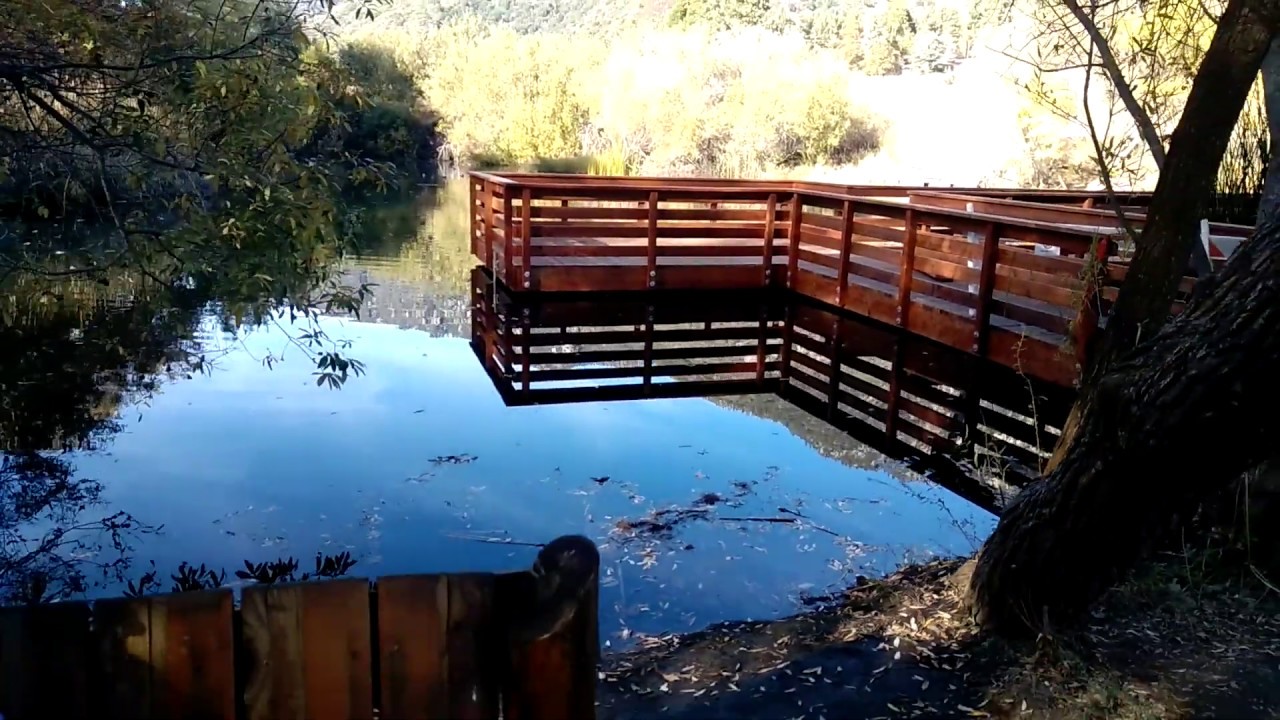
1103	171
1109	63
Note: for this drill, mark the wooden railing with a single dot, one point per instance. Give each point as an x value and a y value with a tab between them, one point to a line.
1028	293
1015	275
901	393
408	647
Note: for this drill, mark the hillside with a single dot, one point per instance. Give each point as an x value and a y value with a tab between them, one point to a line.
524	16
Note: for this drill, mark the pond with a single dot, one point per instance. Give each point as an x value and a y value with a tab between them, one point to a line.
418	465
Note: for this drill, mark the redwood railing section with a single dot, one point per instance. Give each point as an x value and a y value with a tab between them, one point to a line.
990	277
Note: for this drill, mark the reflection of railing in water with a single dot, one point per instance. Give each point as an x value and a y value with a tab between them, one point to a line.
687	345
899	393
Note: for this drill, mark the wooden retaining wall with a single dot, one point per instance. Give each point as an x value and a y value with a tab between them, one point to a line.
412	647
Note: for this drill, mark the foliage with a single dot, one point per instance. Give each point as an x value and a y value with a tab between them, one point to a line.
658	102
892	37
1244	166
719	14
1157	47
508	96
191	578
47	550
213	142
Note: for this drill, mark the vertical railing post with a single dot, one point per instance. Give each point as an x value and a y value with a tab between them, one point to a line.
784	352
476	217
895	389
793	241
907	270
833	387
846	236
526	237
508	238
526	353
651	260
762	341
648	349
486	197
508	344
1085	324
766	252
986	288
552	618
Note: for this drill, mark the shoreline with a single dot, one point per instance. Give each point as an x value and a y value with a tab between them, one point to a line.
903	646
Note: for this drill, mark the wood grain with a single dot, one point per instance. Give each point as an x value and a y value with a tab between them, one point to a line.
412	640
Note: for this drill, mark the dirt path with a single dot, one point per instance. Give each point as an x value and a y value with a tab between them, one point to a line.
902	648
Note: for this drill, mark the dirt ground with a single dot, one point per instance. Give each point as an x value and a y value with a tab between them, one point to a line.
1160	646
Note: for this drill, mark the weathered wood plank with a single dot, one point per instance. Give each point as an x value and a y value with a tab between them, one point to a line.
123	632
275	687
46	654
412	633
472	648
193	670
338	659
310	648
554	678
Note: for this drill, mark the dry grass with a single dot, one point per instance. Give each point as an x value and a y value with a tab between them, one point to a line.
1155	647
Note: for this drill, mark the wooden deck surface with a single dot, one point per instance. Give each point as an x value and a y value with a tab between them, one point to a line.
1023	278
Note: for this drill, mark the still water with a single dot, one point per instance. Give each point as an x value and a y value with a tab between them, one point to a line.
418	466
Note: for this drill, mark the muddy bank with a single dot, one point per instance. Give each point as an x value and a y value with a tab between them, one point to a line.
903	647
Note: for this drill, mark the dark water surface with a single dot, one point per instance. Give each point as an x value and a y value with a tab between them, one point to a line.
418	466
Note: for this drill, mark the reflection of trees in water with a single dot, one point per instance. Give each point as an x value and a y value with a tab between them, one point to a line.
417	254
48	551
77	349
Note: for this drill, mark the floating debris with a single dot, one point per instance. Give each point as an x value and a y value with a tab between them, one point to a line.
462	459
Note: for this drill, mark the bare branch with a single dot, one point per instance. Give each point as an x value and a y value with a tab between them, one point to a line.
1103	170
1109	63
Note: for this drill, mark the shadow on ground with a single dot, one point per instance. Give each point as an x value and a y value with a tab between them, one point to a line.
903	648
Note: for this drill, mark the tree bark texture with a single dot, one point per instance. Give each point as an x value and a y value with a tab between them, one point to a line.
1187	179
1184	416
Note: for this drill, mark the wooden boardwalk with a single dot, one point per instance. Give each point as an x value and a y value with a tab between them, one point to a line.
1023	278
412	647
907	396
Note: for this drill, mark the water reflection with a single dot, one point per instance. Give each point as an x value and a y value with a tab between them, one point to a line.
978	427
221	448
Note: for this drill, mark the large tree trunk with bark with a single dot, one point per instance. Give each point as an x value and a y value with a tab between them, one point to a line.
1182	194
1169	412
1179	420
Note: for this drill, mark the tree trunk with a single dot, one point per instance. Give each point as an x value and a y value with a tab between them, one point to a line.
1141	118
1186	415
1170	412
1182	194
